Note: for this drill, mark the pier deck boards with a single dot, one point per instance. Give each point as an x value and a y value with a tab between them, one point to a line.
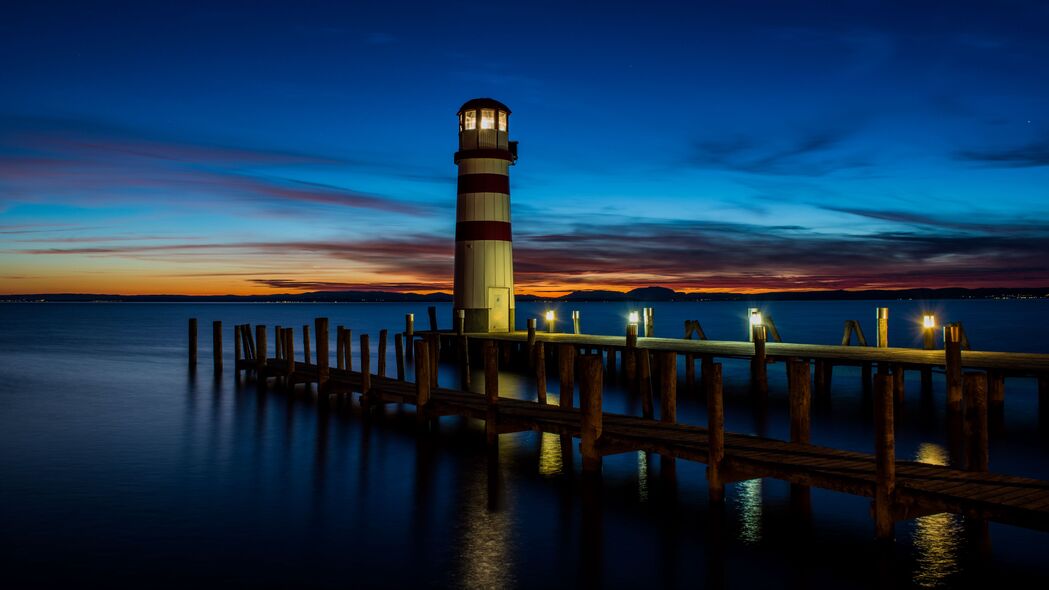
920	488
1013	362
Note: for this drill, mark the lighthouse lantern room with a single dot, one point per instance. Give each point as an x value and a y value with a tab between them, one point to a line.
484	267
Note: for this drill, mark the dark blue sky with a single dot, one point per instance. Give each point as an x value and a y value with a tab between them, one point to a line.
253	146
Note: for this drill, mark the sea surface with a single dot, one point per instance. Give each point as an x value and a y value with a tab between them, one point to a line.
120	467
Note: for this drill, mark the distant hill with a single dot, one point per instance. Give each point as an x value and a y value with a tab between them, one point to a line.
640	294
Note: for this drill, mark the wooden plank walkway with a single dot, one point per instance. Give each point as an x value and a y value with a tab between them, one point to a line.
920	488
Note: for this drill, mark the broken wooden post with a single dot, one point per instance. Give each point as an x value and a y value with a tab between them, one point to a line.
759	381
340	343
715	433
381	354
432	312
953	359
540	372
320	334
590	386
193	343
398	347
216	348
422	382
630	356
884	458
260	351
409	333
566	371
883	327
800	394
366	367
306	344
644	382
668	383
976	421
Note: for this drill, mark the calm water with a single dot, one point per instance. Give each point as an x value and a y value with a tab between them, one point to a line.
118	467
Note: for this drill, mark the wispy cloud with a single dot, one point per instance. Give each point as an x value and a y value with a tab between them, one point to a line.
813	153
1029	155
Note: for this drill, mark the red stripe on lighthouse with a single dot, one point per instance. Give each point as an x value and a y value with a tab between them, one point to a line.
482	230
484	183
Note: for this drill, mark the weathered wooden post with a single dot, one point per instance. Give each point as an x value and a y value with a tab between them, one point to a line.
409	333
531	342
996	389
953	352
237	352
432	312
715	433
566	371
464	361
898	382
491	389
398	346
976	419
884	458
306	344
340	344
928	343
278	343
883	327
590	386
644	382
759	380
800	400
540	372
260	351
575	322
192	343
289	348
668	382
381	354
650	322
366	367
630	357
320	333
460	322
433	346
216	349
422	382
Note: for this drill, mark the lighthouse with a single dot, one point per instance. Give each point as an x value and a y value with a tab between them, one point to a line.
484	262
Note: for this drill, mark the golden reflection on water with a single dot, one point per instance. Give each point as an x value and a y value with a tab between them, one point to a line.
937	537
487	546
748	501
550	454
642	476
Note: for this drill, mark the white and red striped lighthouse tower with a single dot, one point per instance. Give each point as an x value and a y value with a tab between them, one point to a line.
484	263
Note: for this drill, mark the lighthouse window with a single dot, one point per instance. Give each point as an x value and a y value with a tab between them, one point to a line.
470	118
502	120
487	118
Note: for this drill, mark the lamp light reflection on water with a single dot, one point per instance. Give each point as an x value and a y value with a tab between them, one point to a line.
937	537
550	454
642	476
748	501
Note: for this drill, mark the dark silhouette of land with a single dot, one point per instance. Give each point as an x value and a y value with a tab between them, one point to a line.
640	294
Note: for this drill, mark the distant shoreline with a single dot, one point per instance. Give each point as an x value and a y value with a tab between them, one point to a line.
655	294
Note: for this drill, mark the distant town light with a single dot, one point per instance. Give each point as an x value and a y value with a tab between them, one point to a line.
929	320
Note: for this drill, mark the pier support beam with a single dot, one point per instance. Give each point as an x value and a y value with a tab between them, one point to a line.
759	380
422	383
398	348
539	351
381	354
192	343
977	458
566	371
800	394
644	381
320	333
715	433
216	349
590	387
884	458
953	360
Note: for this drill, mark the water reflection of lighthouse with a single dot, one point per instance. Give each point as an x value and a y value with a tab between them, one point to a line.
484	268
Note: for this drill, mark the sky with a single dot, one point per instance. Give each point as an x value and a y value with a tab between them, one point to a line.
264	147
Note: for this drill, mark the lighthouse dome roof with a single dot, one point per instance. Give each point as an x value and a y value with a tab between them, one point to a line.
483	103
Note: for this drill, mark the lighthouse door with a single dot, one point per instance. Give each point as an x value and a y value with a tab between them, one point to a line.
498	309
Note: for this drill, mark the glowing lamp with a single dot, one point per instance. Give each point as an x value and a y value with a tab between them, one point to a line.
929	321
633	318
550	320
755	318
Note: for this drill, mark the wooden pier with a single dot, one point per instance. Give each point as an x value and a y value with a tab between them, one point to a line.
900	489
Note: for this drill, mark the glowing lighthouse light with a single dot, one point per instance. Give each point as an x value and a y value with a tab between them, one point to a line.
484	266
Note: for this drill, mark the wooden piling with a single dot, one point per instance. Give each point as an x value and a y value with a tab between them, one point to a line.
898	383
216	349
590	387
575	322
278	342
759	380
976	420
644	382
650	322
433	346
995	388
953	360
566	372
409	333
491	390
800	399
398	348
668	384
340	343
347	348
928	343
306	344
237	351
381	354
530	343
460	322
715	433
884	458
320	333
690	371
366	366
260	351
432	312
422	382
192	343
289	349
540	372
464	362
883	327
248	341
630	357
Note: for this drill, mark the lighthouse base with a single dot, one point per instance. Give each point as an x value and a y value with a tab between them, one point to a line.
486	320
